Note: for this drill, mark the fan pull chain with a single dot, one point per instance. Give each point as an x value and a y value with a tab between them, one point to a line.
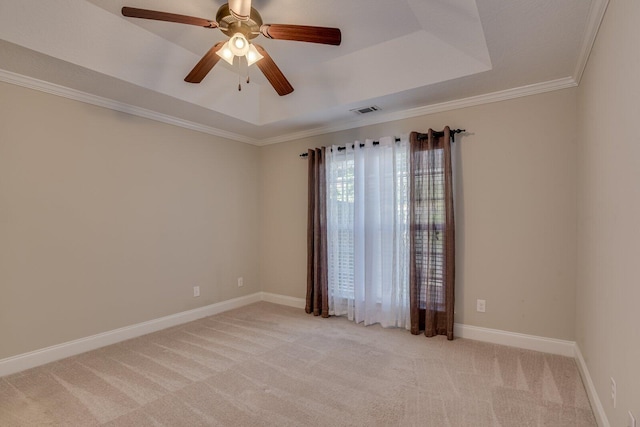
247	72
239	76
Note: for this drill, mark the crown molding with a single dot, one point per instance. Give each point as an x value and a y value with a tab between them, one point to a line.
76	95
503	95
596	15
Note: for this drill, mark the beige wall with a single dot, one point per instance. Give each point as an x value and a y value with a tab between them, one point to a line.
516	209
608	287
107	219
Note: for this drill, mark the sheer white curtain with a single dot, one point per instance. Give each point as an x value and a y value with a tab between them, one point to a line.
368	232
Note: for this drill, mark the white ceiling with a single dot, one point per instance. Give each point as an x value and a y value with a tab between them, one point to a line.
405	56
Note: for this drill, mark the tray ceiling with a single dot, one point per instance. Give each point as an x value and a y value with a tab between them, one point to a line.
400	55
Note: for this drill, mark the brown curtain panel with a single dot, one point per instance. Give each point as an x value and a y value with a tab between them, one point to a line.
432	237
317	284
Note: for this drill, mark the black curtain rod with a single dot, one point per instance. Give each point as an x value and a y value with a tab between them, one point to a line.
453	133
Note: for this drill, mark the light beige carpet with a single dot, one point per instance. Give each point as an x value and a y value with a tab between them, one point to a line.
269	365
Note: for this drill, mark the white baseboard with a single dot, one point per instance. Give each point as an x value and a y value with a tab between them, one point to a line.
71	348
35	358
284	300
546	345
596	404
514	339
56	352
495	336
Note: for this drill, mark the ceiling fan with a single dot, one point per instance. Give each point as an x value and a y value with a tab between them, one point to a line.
241	22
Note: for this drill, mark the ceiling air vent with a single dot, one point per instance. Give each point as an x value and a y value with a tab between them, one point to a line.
365	110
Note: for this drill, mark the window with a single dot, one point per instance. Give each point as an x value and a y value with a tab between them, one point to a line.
382	233
430	225
368	232
340	206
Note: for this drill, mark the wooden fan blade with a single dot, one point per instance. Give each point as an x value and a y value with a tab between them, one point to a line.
132	12
273	73
302	33
205	65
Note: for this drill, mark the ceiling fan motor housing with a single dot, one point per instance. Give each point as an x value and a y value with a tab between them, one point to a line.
230	25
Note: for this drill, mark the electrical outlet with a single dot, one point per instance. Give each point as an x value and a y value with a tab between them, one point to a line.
613	392
632	420
240	282
481	305
196	291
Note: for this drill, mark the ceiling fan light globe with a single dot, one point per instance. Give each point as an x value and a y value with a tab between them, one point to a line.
253	55
238	45
226	53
